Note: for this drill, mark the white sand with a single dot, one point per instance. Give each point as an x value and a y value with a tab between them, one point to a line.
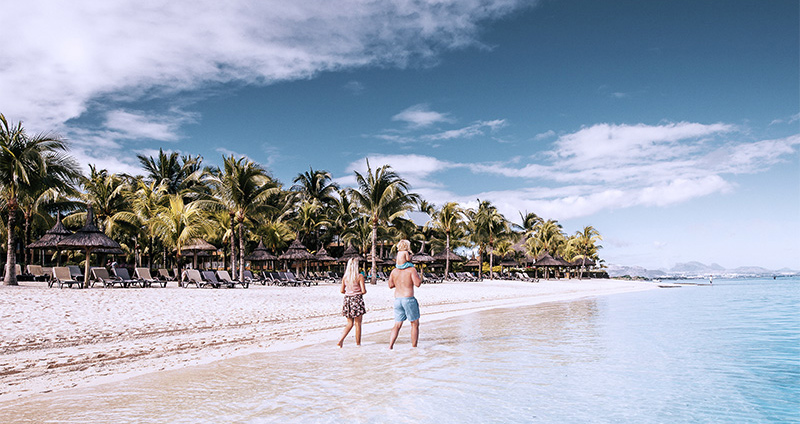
52	339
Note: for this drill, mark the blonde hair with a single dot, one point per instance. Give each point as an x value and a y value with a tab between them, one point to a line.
403	245
351	271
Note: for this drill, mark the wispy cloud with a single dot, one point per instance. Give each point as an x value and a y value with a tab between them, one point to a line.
478	128
606	167
420	116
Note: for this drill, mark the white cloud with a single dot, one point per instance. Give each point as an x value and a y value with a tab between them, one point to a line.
470	131
606	167
140	125
65	56
420	116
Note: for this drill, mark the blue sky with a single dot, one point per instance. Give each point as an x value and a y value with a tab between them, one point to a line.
672	127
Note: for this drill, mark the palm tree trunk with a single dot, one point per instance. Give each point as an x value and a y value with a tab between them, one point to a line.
447	256
11	259
491	262
480	264
372	272
241	252
26	253
233	245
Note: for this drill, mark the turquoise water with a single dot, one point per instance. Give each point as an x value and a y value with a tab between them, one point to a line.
729	353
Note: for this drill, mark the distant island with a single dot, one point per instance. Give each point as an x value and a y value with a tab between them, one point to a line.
697	270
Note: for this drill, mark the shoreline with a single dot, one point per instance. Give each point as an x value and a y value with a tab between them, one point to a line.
61	339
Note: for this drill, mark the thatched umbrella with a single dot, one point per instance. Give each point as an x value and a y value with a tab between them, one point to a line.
195	246
51	238
422	257
322	256
349	253
296	252
260	254
89	238
473	262
546	261
441	257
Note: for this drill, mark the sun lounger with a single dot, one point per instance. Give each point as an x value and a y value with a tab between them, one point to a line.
163	274
126	277
224	277
143	274
75	272
37	273
101	275
210	279
192	276
63	277
296	282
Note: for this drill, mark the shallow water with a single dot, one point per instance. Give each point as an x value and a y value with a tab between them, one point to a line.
726	353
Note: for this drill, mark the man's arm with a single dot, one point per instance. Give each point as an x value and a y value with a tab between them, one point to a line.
390	282
415	278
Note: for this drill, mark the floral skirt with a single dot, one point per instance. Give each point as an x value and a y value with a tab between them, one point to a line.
353	306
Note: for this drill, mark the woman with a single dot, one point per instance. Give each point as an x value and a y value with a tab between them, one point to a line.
353	309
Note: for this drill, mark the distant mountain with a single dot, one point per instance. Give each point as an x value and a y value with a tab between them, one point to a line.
695	269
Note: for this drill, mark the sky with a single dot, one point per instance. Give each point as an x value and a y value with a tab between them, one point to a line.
672	127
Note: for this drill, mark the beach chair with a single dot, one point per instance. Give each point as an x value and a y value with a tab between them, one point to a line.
36	272
64	277
210	279
101	275
279	279
191	276
126	277
143	274
225	278
163	274
75	272
296	281
250	278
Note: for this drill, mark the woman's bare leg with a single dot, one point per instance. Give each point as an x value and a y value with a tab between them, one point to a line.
346	331
358	329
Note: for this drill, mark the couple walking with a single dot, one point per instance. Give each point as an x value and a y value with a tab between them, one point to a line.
403	279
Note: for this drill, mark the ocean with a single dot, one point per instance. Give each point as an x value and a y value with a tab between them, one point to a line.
727	353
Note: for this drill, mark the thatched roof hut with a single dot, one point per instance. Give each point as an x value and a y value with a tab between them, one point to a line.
260	253
421	256
51	238
89	238
349	253
448	254
323	256
296	252
196	247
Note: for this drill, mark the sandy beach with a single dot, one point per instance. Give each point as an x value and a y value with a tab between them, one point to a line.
55	339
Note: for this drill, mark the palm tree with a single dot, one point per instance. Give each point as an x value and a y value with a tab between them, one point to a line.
488	226
145	203
448	219
174	173
315	186
176	223
585	245
383	196
243	188
22	159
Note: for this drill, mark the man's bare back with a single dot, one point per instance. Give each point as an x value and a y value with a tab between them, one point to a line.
403	281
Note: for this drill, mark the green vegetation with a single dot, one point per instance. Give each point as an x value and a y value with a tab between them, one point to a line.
177	199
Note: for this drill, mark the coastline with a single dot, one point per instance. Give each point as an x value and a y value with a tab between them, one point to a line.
59	339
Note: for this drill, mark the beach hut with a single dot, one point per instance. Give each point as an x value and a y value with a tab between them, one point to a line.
349	253
296	253
89	238
51	238
421	257
195	246
322	256
583	263
260	255
546	261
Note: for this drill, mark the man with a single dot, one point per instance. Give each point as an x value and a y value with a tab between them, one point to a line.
403	281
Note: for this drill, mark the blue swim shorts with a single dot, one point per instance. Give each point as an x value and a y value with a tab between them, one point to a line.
406	308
